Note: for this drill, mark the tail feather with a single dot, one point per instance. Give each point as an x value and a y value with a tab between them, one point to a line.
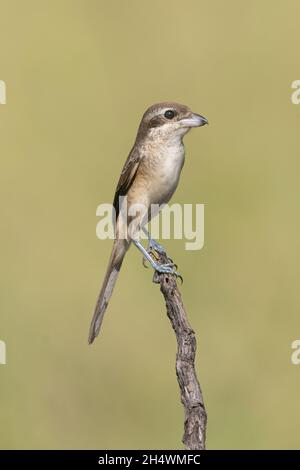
118	252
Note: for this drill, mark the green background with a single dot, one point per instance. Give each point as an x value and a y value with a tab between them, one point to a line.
79	75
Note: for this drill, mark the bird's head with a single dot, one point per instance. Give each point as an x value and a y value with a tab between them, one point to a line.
169	121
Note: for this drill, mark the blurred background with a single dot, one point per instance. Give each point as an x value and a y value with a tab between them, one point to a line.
79	75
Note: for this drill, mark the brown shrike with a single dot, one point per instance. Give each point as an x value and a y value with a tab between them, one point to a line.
149	177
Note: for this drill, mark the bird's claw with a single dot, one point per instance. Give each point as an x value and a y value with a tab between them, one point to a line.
155	246
154	250
169	268
154	256
153	253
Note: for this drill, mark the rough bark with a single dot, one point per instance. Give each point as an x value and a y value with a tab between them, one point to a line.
195	417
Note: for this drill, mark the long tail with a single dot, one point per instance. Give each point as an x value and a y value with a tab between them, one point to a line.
115	262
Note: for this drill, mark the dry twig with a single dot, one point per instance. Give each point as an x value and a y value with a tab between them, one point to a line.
191	395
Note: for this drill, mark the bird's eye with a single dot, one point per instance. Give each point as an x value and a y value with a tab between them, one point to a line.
169	114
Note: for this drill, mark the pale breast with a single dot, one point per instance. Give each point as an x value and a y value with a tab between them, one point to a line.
169	163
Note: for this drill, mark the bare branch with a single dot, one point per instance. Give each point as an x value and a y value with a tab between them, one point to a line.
191	395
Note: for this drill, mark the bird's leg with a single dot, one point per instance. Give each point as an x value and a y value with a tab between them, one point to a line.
153	244
160	268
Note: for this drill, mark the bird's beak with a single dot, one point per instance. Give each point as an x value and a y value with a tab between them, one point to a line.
194	120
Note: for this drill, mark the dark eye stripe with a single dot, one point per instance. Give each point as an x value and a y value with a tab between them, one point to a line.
169	114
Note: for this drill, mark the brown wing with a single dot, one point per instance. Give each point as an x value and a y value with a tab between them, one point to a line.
127	177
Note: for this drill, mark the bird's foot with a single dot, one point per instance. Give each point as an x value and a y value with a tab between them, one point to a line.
152	255
155	258
153	249
155	246
166	268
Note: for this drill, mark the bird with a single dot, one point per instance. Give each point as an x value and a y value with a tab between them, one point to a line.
149	177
